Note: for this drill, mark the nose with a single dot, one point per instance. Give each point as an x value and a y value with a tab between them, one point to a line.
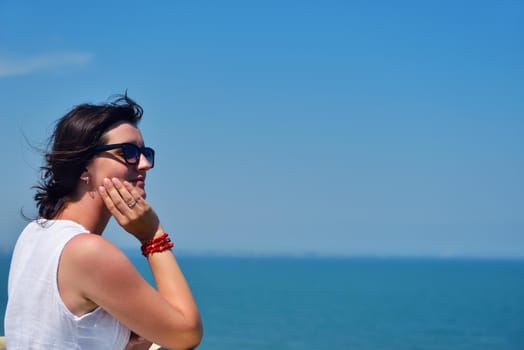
143	163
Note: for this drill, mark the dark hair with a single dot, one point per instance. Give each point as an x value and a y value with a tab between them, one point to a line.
72	147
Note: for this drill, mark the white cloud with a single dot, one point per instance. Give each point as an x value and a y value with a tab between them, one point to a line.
11	66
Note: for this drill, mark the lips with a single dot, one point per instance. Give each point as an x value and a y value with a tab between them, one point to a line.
139	181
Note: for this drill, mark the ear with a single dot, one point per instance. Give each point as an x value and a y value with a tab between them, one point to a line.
85	176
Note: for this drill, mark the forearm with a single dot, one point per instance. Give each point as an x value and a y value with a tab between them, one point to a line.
172	285
173	318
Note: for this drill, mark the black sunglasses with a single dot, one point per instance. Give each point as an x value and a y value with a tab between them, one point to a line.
131	152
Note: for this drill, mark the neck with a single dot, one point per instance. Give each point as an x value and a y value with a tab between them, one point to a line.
88	212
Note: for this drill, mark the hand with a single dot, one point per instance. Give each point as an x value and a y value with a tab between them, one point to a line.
130	209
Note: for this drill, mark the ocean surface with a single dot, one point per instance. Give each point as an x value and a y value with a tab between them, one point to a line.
352	303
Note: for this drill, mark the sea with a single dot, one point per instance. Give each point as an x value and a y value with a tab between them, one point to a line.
305	303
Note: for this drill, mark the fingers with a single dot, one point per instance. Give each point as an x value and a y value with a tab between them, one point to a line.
120	200
135	195
129	208
110	204
129	201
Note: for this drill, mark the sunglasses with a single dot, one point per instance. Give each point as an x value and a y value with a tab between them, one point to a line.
131	152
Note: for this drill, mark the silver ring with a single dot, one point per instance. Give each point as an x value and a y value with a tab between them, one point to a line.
131	204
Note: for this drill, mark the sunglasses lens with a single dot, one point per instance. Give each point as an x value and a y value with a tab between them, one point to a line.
131	154
150	155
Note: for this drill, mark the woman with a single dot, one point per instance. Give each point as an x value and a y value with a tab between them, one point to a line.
69	287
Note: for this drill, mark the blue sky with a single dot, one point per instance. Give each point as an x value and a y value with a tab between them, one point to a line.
289	127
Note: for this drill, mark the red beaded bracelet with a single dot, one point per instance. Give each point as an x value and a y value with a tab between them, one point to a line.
157	245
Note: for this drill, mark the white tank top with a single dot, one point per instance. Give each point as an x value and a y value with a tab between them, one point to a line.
36	317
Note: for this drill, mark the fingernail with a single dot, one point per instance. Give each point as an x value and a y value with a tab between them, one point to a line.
101	189
115	180
106	181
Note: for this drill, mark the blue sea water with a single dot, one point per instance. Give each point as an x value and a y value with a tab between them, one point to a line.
353	303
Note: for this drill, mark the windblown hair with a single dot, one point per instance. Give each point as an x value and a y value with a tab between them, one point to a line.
72	145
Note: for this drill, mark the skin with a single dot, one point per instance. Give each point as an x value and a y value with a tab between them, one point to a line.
93	272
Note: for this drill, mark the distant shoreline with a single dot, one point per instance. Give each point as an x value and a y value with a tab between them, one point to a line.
317	256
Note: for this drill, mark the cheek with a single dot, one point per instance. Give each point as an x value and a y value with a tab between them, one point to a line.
103	169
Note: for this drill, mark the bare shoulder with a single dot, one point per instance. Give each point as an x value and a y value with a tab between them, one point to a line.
94	259
88	243
91	249
88	261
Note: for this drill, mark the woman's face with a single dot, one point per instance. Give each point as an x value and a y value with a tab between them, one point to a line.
111	163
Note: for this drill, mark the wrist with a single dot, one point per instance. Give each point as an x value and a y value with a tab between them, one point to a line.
158	244
157	233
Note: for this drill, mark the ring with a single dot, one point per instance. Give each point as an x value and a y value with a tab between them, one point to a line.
131	204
